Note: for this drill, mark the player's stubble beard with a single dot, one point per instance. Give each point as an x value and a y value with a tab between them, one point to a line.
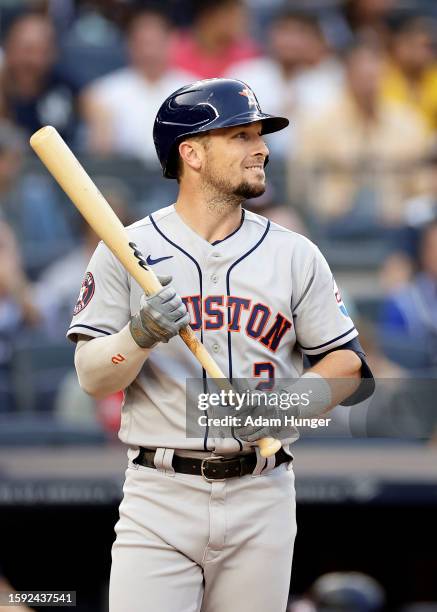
221	194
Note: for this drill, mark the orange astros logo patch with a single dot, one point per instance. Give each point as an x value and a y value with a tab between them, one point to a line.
85	294
248	93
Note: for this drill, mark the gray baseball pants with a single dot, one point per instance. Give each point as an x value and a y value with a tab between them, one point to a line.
187	545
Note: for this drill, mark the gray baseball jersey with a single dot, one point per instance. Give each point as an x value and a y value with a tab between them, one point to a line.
258	300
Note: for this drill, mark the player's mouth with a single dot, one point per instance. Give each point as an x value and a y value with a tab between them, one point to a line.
256	167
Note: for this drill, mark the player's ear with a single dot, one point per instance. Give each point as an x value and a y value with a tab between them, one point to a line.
191	153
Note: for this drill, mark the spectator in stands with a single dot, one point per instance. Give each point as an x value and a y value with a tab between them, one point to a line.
378	362
56	290
33	93
219	38
91	42
411	76
322	75
423	208
356	160
17	310
398	267
14	286
119	108
408	322
361	18
298	74
29	203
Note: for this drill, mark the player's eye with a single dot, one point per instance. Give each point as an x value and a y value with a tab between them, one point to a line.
241	135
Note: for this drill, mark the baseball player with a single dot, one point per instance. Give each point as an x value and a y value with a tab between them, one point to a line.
206	523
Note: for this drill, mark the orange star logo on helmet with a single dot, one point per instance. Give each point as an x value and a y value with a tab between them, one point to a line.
248	93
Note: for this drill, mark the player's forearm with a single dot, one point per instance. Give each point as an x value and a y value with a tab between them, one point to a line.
107	365
342	371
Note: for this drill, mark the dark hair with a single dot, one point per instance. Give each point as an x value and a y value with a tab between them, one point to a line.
149	9
364	42
20	17
417	24
201	7
300	16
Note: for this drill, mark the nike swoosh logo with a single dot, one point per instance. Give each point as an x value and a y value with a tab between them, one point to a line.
152	262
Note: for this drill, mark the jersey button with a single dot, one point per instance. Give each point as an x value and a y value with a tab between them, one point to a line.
214	278
215	348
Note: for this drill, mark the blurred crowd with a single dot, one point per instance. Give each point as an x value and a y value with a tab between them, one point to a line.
356	171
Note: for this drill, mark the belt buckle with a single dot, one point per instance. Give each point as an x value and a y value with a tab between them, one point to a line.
202	469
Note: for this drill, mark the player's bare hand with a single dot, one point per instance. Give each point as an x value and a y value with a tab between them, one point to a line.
161	316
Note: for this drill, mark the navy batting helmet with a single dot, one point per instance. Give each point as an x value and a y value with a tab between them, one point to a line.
202	106
347	592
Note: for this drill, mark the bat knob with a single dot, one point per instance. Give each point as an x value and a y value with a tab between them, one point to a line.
269	446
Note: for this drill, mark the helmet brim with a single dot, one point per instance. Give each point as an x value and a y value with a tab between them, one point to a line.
270	123
274	124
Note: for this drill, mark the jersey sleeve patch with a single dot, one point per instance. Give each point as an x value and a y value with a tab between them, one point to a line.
339	300
85	294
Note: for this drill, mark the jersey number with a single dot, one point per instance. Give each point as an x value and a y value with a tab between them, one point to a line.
264	368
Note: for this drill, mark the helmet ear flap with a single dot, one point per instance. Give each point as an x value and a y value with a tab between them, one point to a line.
172	163
171	168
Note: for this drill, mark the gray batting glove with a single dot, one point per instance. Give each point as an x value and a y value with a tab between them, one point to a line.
267	419
160	317
251	432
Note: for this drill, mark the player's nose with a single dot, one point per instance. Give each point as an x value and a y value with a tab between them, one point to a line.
261	148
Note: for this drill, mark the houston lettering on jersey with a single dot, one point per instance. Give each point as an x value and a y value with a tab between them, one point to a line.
236	314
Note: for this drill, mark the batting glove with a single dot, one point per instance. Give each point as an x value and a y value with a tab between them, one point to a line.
262	423
161	316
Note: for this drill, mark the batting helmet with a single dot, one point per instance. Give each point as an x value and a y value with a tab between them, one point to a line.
347	592
203	106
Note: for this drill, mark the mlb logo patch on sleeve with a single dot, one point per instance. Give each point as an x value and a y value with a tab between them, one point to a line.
339	300
85	294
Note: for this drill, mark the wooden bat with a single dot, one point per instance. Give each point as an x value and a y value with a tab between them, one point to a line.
71	176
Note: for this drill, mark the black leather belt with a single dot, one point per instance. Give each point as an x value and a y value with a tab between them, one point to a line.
211	468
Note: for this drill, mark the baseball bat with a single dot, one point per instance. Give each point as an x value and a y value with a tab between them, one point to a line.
77	184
